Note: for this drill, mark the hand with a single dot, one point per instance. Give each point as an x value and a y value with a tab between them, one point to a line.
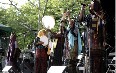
64	15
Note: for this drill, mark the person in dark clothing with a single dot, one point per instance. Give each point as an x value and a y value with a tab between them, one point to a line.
13	53
58	51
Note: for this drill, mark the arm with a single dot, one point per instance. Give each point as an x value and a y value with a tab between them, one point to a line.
57	35
48	30
37	41
52	34
68	14
64	15
82	13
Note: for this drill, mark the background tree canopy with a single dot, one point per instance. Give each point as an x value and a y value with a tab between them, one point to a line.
25	20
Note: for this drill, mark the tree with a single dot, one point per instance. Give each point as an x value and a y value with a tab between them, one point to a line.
25	19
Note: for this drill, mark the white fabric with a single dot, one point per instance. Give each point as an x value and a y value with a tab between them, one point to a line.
45	40
56	69
50	44
6	69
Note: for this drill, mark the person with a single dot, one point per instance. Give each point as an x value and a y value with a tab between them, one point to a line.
41	43
72	38
72	41
72	33
58	51
1	58
13	53
0	62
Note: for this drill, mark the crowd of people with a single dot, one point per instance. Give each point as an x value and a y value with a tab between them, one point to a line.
67	47
67	43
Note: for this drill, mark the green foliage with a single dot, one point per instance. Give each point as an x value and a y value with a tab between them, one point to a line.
26	18
3	16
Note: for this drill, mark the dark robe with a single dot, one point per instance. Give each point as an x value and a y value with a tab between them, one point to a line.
58	51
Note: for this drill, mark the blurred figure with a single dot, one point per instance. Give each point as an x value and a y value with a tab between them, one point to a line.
41	43
13	53
72	34
58	51
72	41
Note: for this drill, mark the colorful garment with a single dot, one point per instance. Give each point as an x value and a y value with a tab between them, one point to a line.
73	42
41	57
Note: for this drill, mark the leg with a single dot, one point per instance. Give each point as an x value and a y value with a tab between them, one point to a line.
37	61
43	61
